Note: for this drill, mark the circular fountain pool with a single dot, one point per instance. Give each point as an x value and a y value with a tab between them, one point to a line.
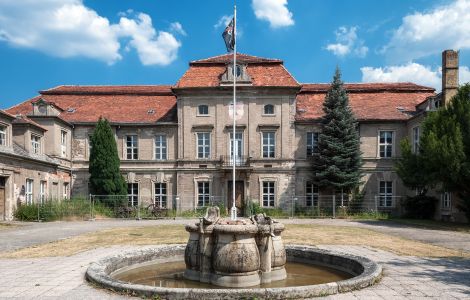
157	272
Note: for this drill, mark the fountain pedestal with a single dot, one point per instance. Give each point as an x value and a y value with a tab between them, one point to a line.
241	253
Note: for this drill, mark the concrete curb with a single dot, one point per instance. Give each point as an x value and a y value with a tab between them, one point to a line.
365	270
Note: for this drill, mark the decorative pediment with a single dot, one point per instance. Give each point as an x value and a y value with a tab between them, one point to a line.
42	107
243	78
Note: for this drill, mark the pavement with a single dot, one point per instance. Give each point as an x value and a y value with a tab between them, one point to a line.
404	277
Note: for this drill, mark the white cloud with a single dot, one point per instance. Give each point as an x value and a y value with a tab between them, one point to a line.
425	33
411	72
347	43
176	27
273	11
223	21
67	28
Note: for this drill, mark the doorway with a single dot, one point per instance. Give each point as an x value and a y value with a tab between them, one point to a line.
2	198
239	196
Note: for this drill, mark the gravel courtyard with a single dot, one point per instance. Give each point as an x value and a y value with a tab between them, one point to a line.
62	277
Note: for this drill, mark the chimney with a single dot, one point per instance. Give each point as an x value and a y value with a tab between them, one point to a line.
450	74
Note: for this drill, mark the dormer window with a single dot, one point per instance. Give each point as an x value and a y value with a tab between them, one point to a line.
268	109
203	110
35	144
238	70
3	135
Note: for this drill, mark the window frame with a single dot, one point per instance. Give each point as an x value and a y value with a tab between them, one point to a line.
160	151
133	198
205	146
415	137
446	198
312	150
42	191
386	197
65	190
273	110
3	134
205	196
268	197
199	114
314	194
29	191
35	144
63	143
269	145
158	188
386	144
132	151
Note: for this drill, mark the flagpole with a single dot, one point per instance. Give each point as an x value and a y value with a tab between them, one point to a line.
234	69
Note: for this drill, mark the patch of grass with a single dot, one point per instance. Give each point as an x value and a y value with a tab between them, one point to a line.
432	224
294	234
6	226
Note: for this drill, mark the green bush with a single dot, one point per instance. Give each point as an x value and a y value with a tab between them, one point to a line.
419	207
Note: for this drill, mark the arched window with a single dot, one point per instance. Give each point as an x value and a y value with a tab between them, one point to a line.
238	69
203	109
269	109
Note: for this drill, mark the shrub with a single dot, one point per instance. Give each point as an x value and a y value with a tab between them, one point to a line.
420	207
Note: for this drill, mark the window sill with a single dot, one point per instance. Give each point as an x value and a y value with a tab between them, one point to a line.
202	115
268	115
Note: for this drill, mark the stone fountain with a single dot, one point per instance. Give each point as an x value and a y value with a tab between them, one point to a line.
240	253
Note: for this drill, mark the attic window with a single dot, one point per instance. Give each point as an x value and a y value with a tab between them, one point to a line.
151	111
70	110
400	108
238	70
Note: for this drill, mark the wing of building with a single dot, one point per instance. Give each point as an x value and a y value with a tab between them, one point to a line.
176	143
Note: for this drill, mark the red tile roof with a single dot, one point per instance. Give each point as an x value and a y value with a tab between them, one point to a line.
22	119
122	104
369	101
242	58
263	72
7	114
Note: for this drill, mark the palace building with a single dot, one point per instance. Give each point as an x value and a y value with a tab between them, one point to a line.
177	147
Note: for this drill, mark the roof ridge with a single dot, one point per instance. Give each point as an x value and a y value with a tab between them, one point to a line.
213	59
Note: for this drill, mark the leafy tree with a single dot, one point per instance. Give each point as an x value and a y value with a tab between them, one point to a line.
444	156
339	162
105	177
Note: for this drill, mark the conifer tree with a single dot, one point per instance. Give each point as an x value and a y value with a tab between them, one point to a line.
105	177
338	165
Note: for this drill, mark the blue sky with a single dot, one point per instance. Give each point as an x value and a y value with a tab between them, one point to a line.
53	42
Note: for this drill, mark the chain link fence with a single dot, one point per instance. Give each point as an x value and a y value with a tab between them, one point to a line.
135	207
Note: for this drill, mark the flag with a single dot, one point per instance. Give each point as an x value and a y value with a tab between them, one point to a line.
229	35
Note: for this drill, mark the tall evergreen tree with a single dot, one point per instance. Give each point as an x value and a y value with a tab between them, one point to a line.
338	165
105	177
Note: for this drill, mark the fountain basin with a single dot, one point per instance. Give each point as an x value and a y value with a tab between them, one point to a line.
364	271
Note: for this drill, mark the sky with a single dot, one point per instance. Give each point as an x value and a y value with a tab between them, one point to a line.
48	43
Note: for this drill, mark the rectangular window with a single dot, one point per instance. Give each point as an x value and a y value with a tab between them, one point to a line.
416	139
133	194
89	146
132	147
203	145
35	144
65	191
3	135
385	143
385	193
160	147
312	143
42	191
203	193
311	194
268	193
160	199
269	144
203	110
63	143
445	199
29	191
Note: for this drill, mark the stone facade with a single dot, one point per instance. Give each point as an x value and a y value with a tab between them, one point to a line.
175	142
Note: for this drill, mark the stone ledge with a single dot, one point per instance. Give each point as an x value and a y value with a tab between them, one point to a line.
367	273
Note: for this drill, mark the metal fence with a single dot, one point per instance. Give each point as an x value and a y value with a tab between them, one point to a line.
99	206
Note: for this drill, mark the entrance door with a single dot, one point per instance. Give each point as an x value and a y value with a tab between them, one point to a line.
2	198
239	196
236	149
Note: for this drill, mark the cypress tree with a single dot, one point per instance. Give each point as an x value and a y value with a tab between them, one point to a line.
105	177
338	165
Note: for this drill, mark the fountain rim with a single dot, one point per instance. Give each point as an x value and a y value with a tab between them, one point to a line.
100	273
